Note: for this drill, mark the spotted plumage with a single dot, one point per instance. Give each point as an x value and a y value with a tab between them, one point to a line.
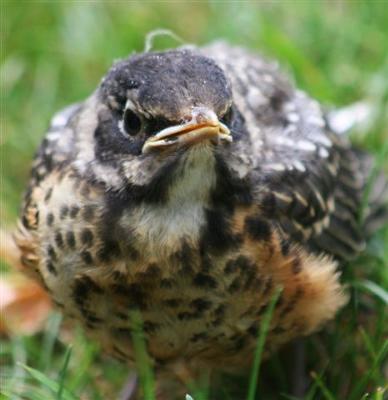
188	187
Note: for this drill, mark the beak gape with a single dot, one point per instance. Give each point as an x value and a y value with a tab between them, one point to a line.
203	125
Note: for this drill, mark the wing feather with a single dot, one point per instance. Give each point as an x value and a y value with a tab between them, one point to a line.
313	177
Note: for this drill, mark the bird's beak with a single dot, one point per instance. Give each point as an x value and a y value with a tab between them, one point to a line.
203	125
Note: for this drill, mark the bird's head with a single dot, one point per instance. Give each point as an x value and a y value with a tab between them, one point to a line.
169	100
156	109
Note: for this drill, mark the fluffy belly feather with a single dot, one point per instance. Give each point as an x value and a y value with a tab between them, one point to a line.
200	293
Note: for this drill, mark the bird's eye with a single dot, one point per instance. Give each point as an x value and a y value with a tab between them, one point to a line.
132	123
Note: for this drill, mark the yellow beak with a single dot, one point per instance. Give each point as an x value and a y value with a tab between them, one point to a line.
204	125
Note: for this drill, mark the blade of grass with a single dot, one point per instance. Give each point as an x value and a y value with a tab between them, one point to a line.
325	391
48	382
373	288
360	385
28	393
264	328
379	395
19	355
49	339
84	361
198	392
368	343
62	374
313	389
288	397
141	356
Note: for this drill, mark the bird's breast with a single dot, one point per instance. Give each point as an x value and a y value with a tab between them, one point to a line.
200	276
160	230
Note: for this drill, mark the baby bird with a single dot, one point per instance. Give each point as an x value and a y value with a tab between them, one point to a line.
188	188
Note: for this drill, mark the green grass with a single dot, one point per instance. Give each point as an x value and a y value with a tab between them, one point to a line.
264	328
146	376
54	53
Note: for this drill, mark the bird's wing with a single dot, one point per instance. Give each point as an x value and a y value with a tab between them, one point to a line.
51	154
57	144
308	179
320	204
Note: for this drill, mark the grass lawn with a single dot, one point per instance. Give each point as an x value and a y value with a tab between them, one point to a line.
55	53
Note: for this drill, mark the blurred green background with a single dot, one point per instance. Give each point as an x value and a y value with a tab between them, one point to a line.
55	52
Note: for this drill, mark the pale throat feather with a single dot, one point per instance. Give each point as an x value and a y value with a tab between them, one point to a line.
160	229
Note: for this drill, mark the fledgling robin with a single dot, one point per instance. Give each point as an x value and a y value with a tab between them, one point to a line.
188	187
